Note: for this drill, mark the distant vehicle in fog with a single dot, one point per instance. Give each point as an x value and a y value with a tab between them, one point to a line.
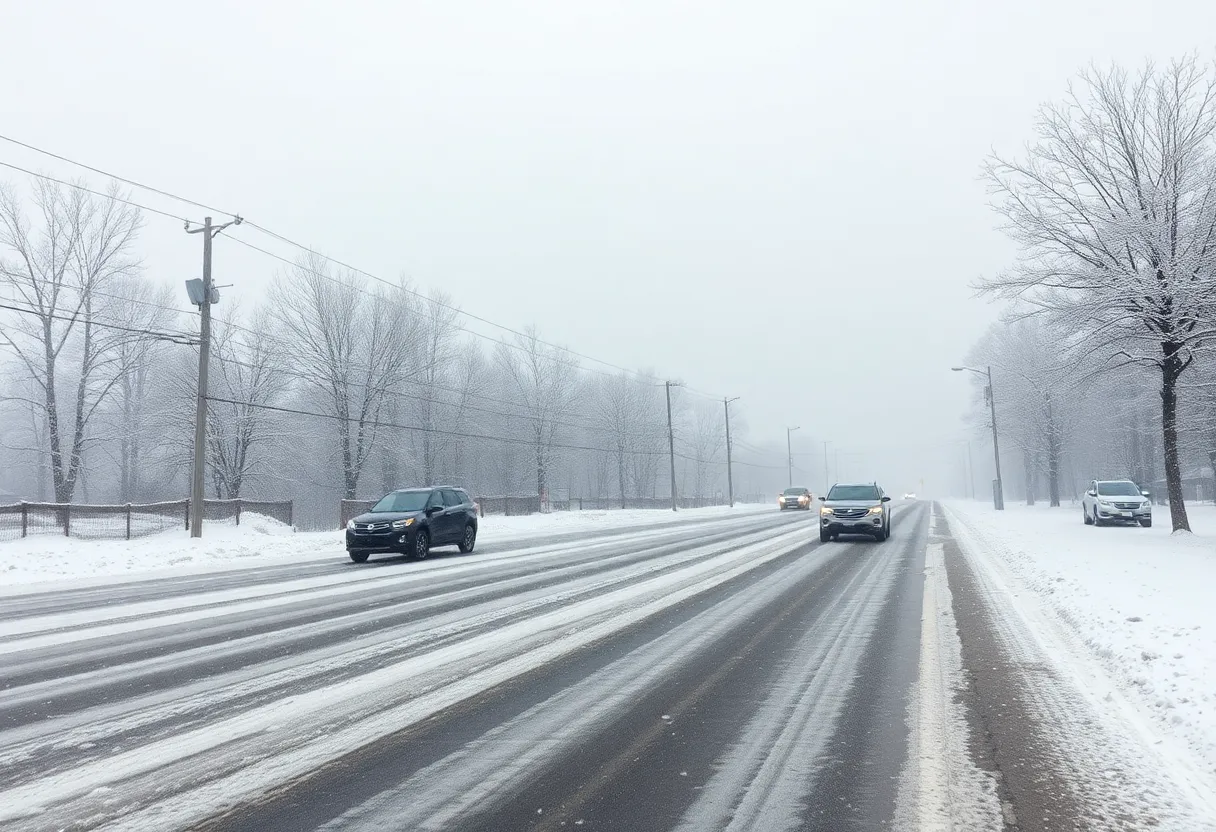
909	496
795	498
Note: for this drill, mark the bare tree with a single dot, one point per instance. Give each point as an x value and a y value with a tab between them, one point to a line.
353	344
74	337
248	375
544	381
1115	211
432	392
707	444
1036	381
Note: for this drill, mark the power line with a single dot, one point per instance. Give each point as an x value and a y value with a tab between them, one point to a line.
408	397
289	241
459	434
397	287
455	309
114	176
80	187
182	338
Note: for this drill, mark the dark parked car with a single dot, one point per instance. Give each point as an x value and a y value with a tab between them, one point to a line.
410	521
861	508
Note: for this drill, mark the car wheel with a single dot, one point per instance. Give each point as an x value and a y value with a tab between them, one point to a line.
1097	519
1085	516
1148	524
469	540
358	557
824	537
422	545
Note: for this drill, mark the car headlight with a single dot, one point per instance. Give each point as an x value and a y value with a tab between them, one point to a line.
876	510
804	499
403	524
825	510
350	525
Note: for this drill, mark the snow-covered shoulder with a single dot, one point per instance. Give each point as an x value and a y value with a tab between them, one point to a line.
1137	602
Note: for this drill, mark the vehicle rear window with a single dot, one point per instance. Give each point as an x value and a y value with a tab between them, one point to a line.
853	492
451	498
402	501
1118	489
795	492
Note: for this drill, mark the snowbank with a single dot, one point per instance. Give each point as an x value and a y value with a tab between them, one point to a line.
1142	601
260	541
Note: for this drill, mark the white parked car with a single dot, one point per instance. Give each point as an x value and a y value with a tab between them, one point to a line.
1116	501
909	496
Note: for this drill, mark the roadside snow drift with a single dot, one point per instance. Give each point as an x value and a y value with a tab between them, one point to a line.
1141	603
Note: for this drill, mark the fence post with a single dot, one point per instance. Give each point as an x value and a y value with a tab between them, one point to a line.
187	501
128	521
238	511
67	519
291	513
25	518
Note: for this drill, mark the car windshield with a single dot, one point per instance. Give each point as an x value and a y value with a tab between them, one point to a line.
403	501
1118	489
795	492
853	492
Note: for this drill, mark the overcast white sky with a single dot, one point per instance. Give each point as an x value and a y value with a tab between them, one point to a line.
775	200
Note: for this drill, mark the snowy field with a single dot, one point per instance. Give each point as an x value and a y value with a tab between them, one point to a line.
1137	604
259	541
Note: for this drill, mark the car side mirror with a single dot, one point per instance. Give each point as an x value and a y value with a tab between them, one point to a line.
823	497
433	510
1145	494
886	499
1092	493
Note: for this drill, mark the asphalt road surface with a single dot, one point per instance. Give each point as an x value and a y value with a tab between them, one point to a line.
713	674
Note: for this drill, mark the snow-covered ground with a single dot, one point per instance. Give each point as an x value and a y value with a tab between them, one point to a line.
259	541
1137	604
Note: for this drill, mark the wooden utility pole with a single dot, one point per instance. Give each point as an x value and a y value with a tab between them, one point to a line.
671	444
730	485
197	480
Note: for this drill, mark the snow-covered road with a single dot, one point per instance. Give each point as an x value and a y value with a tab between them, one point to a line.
460	686
711	671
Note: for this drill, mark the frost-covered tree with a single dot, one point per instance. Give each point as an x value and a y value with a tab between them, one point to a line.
1114	208
77	337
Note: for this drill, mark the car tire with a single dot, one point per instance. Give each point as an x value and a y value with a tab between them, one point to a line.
1085	516
422	545
824	537
359	557
1148	524
468	540
1097	519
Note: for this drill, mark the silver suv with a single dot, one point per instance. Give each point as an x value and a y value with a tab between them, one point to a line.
1116	501
861	508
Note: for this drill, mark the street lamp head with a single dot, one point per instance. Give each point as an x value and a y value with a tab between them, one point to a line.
958	369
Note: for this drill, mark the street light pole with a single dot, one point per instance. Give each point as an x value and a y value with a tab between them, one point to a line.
789	453
998	492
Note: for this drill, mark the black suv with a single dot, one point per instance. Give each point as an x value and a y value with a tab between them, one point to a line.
410	521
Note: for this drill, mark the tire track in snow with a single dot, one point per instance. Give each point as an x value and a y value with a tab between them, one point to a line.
243	753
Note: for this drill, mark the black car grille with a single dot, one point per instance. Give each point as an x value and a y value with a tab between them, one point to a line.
851	513
1127	506
365	528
